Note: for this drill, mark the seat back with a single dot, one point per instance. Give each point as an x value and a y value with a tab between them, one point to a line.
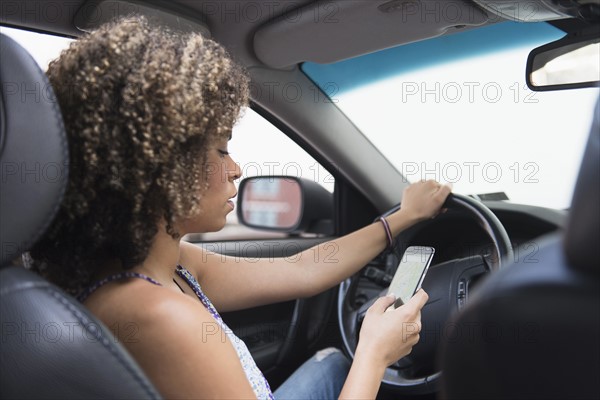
532	330
51	346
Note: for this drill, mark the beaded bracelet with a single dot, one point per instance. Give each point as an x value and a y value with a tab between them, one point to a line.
388	232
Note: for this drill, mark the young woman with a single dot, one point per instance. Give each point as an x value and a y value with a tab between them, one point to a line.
148	115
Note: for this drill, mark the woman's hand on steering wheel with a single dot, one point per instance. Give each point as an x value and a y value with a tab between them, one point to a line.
424	199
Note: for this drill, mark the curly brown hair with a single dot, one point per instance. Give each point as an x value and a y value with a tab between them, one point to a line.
142	106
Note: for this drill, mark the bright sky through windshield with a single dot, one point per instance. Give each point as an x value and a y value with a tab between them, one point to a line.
456	124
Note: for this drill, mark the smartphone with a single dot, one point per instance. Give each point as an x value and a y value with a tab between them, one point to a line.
410	273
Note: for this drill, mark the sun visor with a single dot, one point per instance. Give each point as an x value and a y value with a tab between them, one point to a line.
326	32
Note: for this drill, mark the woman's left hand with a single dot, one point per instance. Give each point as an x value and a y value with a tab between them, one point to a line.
424	199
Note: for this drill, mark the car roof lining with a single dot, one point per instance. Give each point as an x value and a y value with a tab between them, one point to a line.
262	27
283	33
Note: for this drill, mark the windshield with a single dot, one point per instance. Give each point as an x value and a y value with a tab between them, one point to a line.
456	109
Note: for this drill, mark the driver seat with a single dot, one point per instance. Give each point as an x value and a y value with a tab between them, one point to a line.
52	347
532	330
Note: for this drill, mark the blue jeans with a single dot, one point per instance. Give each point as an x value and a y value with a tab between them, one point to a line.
320	377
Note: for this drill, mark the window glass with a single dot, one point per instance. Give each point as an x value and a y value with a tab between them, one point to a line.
43	48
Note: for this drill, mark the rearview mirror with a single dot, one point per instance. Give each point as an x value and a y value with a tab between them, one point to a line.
569	63
285	204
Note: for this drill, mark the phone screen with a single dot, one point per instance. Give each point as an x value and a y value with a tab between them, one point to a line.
410	273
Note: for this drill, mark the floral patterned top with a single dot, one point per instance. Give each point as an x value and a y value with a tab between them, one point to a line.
255	377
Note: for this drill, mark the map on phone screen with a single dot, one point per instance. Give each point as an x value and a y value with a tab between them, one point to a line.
410	273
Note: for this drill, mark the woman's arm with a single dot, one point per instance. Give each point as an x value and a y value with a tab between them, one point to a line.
385	337
234	283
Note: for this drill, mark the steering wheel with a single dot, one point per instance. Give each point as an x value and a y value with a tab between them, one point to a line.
447	285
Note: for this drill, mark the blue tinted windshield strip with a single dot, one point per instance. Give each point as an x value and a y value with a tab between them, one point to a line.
352	73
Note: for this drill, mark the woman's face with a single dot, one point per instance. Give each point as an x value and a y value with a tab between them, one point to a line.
221	171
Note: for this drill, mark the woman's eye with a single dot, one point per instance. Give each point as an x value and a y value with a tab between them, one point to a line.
223	153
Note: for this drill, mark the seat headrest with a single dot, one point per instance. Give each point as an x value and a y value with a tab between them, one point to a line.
583	229
33	151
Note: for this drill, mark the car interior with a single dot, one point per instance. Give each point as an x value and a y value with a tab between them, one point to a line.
514	309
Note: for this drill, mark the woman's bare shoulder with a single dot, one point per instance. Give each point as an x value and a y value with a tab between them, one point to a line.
141	302
176	341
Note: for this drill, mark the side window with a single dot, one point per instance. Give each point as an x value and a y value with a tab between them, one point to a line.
43	48
260	148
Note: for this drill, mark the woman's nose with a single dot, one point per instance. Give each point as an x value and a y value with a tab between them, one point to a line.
234	170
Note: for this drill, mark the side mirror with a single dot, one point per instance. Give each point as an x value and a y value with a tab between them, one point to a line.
285	204
568	63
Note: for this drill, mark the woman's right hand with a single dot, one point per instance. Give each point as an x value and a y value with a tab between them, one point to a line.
386	336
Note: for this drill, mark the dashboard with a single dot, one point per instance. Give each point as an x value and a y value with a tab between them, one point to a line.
455	235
